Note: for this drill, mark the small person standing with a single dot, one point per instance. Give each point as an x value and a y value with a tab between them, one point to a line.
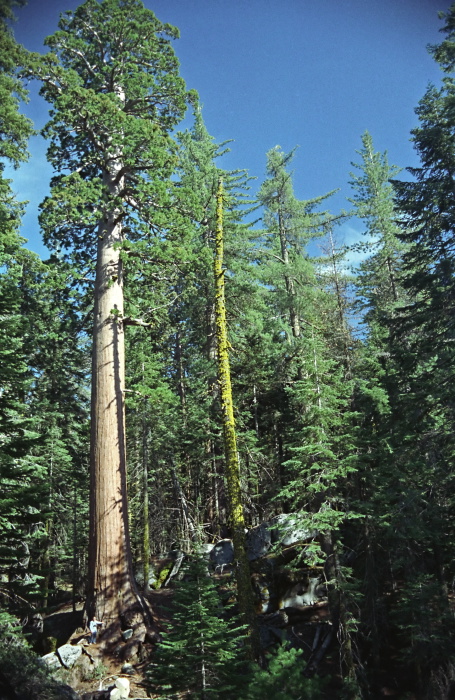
93	627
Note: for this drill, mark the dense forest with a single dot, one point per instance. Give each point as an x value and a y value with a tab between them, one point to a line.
197	382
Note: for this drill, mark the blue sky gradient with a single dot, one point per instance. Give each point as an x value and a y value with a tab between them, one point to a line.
307	73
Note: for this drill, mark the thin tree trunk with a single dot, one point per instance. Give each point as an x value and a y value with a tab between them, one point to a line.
392	278
340	616
188	529
237	519
74	564
293	313
178	358
255	411
341	306
145	501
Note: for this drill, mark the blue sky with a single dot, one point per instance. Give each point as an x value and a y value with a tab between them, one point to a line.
307	73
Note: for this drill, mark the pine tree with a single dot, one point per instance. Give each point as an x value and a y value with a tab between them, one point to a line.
403	397
379	295
283	679
377	280
317	455
58	350
314	407
423	334
21	475
291	224
201	655
169	371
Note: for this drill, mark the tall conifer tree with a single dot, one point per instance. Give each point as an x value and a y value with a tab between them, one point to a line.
112	78
377	280
424	333
21	475
236	512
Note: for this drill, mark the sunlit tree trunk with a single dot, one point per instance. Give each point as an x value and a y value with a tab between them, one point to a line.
112	589
290	287
114	65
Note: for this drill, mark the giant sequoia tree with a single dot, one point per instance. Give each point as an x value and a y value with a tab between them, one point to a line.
112	78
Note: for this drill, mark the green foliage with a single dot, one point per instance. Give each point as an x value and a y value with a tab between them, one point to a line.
21	474
201	654
290	225
423	619
124	108
283	679
15	127
376	282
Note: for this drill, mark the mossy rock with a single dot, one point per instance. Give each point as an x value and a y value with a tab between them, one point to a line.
162	576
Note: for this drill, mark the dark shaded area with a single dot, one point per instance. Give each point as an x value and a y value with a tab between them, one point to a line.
62	625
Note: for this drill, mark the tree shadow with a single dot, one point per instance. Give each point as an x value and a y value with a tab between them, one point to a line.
62	625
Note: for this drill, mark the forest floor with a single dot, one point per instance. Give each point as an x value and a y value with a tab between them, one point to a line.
100	668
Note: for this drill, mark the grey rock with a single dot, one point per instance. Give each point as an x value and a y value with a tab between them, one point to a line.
51	660
258	541
288	530
304	594
222	554
69	654
178	561
206	549
127	634
97	695
128	669
152	580
33	625
140	580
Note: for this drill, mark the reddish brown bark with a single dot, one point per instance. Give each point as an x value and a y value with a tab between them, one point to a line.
112	589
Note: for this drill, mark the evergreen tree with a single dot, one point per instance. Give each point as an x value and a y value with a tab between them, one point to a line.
314	407
236	512
335	278
423	334
58	351
379	295
317	455
113	82
171	371
21	475
373	200
283	679
200	656
290	224
403	397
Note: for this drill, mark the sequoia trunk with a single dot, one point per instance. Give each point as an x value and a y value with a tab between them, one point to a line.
112	589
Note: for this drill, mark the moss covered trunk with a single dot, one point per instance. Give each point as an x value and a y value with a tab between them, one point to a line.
236	515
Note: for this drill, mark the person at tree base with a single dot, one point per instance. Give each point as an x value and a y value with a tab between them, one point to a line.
93	627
